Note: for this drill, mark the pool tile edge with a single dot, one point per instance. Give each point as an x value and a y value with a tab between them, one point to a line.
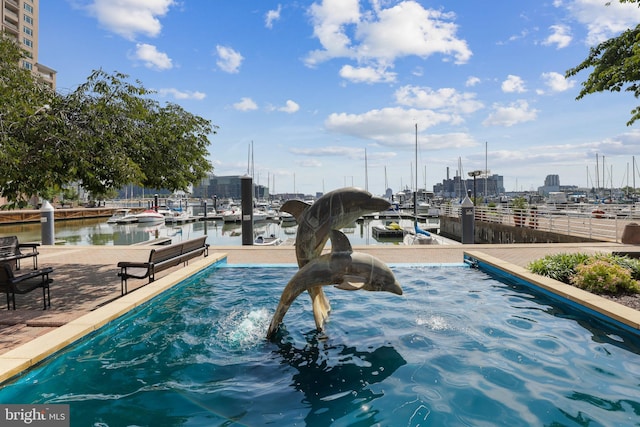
14	362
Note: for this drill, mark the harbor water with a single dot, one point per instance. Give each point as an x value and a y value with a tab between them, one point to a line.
97	231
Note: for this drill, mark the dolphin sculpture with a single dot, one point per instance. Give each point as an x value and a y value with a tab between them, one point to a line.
334	210
341	267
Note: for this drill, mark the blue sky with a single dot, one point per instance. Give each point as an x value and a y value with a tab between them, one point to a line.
315	85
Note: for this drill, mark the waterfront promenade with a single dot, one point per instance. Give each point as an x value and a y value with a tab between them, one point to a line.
86	285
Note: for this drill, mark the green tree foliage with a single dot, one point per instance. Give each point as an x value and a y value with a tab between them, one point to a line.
106	134
616	64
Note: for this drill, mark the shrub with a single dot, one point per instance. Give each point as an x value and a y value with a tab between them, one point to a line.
603	276
631	264
559	266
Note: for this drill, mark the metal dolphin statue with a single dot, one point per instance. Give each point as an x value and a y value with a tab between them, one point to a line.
334	210
343	268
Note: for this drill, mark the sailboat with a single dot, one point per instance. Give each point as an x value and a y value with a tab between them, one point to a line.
417	236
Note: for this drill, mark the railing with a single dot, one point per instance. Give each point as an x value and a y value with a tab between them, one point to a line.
601	222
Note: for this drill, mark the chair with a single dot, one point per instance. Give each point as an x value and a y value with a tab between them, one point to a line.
25	283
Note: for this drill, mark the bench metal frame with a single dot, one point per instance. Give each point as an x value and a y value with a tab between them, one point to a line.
162	259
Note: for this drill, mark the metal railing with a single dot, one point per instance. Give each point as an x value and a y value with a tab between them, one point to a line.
596	222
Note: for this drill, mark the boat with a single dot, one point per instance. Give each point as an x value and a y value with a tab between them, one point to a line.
267	241
233	214
122	216
175	215
259	215
149	216
417	236
287	220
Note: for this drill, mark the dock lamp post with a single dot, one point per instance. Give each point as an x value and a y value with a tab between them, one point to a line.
475	174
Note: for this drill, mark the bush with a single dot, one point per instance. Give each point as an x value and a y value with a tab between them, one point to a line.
631	264
559	266
600	273
602	276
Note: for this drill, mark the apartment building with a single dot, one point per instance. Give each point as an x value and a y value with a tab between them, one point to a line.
20	20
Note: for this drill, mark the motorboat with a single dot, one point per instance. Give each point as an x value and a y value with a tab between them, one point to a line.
175	215
272	240
149	216
233	214
287	220
259	215
122	216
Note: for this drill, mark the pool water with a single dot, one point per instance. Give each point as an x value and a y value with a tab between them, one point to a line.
458	348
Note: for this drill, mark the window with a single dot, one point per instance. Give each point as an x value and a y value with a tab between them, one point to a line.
27	42
28	8
28	31
28	19
27	65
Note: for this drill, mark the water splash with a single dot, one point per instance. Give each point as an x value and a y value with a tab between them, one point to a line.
242	330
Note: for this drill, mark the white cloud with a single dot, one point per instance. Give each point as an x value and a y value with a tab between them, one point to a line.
178	94
366	75
557	82
560	36
377	37
514	113
130	17
513	84
229	60
446	99
272	16
388	126
330	151
151	57
245	104
602	21
472	81
290	107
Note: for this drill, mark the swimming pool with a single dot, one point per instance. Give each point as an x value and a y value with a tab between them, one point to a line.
458	348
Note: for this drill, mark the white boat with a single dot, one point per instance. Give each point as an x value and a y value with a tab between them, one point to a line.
149	216
175	216
233	214
287	220
259	215
267	241
122	216
412	238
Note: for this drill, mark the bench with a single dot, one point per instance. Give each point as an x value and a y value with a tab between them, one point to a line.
24	283
161	259
10	251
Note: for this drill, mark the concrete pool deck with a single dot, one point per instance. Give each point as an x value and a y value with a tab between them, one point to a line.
85	294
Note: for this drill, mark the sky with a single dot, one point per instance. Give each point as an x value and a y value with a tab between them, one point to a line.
334	93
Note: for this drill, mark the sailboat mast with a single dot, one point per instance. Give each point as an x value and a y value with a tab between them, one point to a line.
415	194
366	173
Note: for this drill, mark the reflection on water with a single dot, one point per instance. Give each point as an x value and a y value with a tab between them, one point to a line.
337	379
96	231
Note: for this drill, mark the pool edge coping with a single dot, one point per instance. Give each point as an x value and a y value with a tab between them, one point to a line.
605	307
20	359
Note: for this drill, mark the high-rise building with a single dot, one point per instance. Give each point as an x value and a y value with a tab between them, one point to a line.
20	20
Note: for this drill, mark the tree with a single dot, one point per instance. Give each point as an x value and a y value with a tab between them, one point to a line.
616	64
23	102
106	134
